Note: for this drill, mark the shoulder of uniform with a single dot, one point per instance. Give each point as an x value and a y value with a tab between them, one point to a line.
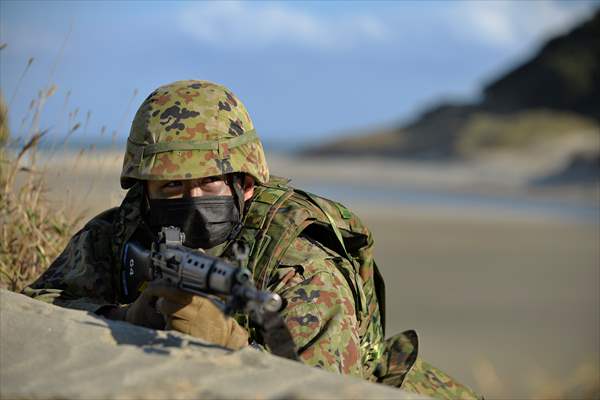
103	220
322	209
278	214
305	250
107	215
263	209
278	193
277	181
306	259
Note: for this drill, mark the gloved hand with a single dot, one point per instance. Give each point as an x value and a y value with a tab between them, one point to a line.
161	306
200	317
187	313
143	310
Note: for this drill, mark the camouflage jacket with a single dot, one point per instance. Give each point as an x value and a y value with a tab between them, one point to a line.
334	310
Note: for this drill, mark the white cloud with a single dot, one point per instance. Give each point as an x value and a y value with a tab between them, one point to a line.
511	24
240	24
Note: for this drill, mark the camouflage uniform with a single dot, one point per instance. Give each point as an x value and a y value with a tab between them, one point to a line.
313	252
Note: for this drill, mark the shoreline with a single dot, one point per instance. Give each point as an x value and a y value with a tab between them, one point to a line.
493	188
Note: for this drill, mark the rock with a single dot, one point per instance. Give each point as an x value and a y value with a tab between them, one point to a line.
48	352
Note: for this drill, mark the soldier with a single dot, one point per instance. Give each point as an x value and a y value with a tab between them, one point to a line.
193	160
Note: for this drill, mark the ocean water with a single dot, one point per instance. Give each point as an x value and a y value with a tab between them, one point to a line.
407	196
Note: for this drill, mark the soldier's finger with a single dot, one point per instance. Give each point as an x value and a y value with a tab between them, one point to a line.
165	290
167	307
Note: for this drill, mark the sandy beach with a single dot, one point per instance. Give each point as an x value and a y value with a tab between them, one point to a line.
502	282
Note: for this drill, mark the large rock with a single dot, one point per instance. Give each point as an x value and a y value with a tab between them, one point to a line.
48	352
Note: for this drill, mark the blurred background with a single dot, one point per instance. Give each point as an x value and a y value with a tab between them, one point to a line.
466	134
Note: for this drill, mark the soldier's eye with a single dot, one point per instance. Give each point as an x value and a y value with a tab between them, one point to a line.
213	185
172	185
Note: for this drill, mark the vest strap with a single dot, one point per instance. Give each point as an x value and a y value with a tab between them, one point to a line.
332	223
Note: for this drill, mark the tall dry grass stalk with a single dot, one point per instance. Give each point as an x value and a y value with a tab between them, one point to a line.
32	231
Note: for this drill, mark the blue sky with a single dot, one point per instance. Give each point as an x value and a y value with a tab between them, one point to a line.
307	71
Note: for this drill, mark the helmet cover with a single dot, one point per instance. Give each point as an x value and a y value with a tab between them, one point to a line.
190	130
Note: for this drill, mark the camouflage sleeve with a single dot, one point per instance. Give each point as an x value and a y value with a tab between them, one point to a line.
424	378
319	312
403	368
82	276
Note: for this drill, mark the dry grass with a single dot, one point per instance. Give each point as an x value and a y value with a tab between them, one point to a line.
33	228
32	232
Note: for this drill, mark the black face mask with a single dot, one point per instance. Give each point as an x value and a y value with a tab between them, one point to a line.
207	221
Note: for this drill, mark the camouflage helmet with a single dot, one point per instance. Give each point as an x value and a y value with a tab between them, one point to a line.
189	130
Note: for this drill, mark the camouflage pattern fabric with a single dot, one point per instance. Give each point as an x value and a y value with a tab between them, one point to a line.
192	129
401	367
400	356
83	276
280	223
320	312
425	378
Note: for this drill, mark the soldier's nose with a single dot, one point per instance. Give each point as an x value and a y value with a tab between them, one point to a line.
192	189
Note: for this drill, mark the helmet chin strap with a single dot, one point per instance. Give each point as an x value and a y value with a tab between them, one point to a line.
146	205
236	183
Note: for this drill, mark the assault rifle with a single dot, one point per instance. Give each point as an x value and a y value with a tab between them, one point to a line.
198	273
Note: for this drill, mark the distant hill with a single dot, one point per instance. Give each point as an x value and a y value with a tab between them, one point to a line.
564	75
557	92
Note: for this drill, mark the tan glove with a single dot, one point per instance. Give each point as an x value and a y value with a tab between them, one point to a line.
143	310
198	316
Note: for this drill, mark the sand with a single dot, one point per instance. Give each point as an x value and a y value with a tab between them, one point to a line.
506	299
510	307
48	352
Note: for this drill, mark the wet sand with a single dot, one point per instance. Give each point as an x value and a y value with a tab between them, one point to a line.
506	302
510	307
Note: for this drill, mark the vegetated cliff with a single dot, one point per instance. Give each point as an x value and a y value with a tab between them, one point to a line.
555	93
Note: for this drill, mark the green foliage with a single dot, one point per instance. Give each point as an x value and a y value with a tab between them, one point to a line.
577	69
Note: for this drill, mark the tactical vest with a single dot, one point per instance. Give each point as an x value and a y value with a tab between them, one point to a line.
278	214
